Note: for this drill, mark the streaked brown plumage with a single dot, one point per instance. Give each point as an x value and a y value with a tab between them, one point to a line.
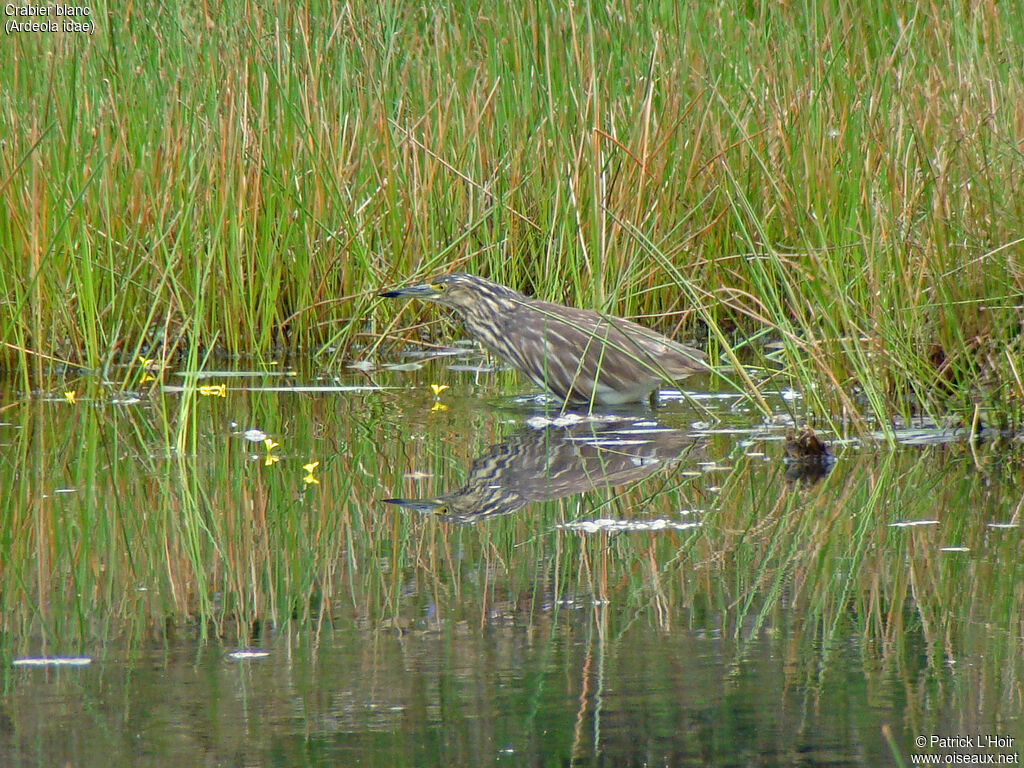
537	465
579	355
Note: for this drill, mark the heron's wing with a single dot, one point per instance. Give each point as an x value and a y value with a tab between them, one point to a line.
619	341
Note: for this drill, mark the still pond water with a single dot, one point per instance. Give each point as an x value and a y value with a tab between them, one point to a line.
291	569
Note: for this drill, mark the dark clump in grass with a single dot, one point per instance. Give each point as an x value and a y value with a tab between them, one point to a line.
844	183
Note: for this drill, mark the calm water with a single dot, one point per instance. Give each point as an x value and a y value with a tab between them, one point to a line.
404	578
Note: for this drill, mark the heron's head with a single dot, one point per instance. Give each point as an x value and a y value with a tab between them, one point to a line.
458	290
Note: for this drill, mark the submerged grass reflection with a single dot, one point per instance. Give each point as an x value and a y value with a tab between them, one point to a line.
830	560
112	536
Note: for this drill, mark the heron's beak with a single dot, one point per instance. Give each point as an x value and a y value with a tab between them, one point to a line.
423	506
424	291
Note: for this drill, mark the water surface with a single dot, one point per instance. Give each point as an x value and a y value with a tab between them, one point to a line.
283	568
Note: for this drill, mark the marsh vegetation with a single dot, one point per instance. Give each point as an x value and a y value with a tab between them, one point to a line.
204	408
831	193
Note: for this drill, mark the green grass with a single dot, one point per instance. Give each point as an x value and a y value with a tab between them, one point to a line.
845	183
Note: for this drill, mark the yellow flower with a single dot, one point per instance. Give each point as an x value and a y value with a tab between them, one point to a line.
439	406
214	390
438	389
70	396
309	479
149	365
272	458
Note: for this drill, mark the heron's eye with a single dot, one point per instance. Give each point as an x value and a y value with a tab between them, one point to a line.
439	287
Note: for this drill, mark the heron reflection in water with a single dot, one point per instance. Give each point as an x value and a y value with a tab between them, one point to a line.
542	464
